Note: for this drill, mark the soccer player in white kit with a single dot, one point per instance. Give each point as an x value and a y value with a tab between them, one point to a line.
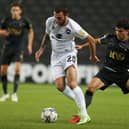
62	31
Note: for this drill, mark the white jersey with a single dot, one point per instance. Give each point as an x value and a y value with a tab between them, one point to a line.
62	37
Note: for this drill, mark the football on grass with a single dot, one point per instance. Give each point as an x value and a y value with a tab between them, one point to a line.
49	115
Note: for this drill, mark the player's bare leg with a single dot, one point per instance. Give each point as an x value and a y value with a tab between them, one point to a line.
71	74
95	84
4	69
62	87
60	83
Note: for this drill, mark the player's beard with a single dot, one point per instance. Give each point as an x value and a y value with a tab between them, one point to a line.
64	22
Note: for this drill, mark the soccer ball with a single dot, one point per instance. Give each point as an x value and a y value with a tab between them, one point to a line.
49	115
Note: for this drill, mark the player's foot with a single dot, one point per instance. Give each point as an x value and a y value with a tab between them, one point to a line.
14	97
83	120
4	97
75	119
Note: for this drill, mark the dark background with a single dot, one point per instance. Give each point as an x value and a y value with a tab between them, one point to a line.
97	17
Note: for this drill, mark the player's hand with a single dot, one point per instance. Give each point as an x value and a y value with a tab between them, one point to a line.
78	47
30	49
4	33
94	59
38	54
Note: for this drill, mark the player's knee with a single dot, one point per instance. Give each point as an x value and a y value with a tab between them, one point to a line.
72	84
92	88
60	87
17	71
3	71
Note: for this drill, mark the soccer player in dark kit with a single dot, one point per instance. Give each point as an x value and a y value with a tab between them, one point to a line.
13	29
116	65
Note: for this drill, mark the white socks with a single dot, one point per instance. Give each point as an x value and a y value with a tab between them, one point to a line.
77	95
80	100
69	92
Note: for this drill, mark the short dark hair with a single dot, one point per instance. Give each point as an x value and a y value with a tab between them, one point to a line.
123	23
61	8
16	4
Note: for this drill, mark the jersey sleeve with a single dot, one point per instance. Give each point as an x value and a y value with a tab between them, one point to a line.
47	26
28	24
79	31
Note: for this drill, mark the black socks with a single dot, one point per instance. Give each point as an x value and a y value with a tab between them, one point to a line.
16	83
4	83
88	98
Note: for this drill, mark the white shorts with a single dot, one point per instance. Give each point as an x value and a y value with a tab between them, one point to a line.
59	66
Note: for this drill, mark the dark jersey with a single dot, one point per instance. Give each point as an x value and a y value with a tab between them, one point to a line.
117	56
16	29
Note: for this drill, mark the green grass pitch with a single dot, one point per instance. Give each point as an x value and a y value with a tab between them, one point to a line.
109	110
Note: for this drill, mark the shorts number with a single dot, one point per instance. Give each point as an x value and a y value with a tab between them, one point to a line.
71	58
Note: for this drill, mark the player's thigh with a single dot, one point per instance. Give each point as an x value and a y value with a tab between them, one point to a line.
70	66
95	84
57	71
6	56
58	75
71	75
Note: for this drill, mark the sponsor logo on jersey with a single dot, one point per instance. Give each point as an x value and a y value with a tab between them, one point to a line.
68	31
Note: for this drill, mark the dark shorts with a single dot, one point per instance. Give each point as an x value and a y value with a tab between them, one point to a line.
9	55
109	77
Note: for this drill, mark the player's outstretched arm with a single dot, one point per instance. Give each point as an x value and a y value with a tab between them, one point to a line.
79	47
85	45
40	51
92	47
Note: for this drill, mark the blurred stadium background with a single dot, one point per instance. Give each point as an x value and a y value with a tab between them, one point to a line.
97	17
